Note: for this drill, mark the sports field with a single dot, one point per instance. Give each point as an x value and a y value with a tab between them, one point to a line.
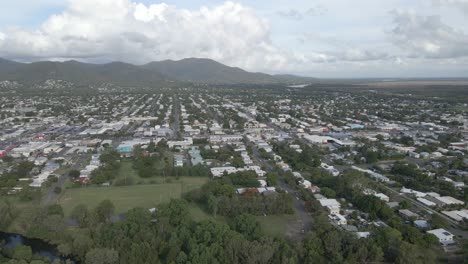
127	197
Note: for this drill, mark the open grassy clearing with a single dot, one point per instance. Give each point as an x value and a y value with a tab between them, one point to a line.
127	197
127	172
273	225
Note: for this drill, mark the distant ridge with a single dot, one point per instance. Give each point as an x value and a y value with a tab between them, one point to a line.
207	71
80	73
194	70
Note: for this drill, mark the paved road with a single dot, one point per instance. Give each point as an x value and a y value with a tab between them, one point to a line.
78	162
456	231
296	230
176	113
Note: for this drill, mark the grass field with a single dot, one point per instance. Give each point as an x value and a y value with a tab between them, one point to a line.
127	197
127	171
273	225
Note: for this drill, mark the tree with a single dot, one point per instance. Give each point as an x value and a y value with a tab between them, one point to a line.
22	252
81	245
7	159
57	190
405	204
104	211
438	222
389	239
213	203
412	254
176	211
7	214
102	256
23	169
80	213
28	194
74	173
271	179
327	192
238	162
55	209
247	225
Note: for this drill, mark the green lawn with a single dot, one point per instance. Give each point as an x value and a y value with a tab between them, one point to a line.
127	197
273	225
199	215
126	170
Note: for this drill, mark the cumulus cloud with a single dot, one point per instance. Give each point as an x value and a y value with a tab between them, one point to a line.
427	36
124	30
130	31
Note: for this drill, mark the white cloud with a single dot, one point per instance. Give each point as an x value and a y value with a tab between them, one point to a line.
291	14
127	30
427	36
460	4
123	30
318	10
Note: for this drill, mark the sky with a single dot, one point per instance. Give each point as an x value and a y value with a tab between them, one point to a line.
319	38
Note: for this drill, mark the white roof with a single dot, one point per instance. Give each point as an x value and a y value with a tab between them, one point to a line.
426	202
381	196
457	215
337	217
329	202
449	200
441	234
363	234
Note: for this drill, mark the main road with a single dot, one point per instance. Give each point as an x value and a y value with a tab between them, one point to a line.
296	229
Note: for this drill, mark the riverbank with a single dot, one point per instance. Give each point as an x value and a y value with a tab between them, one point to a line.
39	248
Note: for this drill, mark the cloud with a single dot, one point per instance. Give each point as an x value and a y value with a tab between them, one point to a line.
459	4
130	31
355	54
427	37
108	30
343	51
291	14
318	10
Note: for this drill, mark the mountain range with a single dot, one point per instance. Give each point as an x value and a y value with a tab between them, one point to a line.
194	70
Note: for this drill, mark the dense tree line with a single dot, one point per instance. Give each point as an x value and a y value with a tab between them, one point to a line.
9	179
110	164
219	197
298	161
244	179
396	241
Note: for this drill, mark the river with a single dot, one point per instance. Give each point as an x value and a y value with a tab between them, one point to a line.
38	246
